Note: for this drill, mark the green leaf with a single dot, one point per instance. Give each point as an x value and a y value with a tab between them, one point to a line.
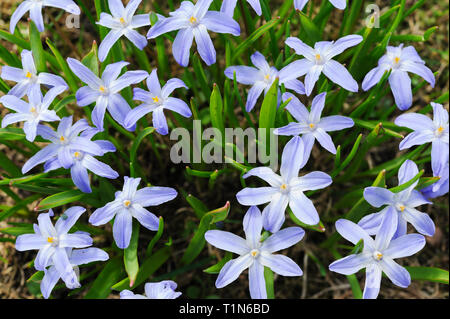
215	269
148	267
70	77
198	241
200	209
268	113
216	110
130	258
134	148
60	199
11	134
101	288
268	276
155	238
91	60
312	33
429	274
17	231
36	48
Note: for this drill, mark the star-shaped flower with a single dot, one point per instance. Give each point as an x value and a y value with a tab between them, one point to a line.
154	290
105	91
254	254
194	21
260	78
378	255
403	203
28	80
35	8
285	189
130	203
155	101
122	22
311	125
319	60
400	61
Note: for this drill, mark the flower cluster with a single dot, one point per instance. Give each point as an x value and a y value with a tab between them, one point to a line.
72	146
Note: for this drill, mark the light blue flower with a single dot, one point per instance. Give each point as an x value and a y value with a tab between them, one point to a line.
154	290
403	204
105	91
285	189
64	142
340	4
28	80
76	257
378	255
35	8
155	101
255	255
434	131
261	79
228	6
130	203
53	241
311	125
441	187
32	113
122	22
400	61
319	60
84	161
194	21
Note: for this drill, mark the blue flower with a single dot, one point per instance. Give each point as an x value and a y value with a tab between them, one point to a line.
400	61
130	203
228	6
434	131
64	142
28	80
32	113
76	257
84	161
403	204
53	241
318	60
310	124
155	101
261	78
340	4
194	21
378	255
105	91
440	187
35	8
122	22
285	189
154	290
255	255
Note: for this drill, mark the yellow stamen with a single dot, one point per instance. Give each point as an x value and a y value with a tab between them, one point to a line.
396	60
33	109
155	99
318	57
122	20
76	154
126	203
311	125
267	77
50	239
62	139
254	252
193	20
283	187
402	208
440	129
29	75
378	256
102	89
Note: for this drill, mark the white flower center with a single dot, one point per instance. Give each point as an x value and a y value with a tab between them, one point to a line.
254	253
54	241
439	131
63	140
103	90
194	21
284	188
400	207
319	59
127	203
377	255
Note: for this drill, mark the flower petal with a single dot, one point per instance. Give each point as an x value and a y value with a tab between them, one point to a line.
280	264
68	219
303	208
373	281
122	228
378	196
146	218
232	269
337	73
401	89
292	158
405	246
257	282
256	196
253	226
351	264
422	222
283	239
227	241
274	213
221	23
153	196
182	46
396	273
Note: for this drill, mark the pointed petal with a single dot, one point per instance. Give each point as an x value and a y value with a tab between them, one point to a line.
227	241
280	264
122	229
221	23
274	213
422	222
253	226
232	269
373	281
337	73
146	218
401	89
182	46
292	158
396	273
405	246
351	264
283	239
378	196
68	219
154	196
256	196
257	282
